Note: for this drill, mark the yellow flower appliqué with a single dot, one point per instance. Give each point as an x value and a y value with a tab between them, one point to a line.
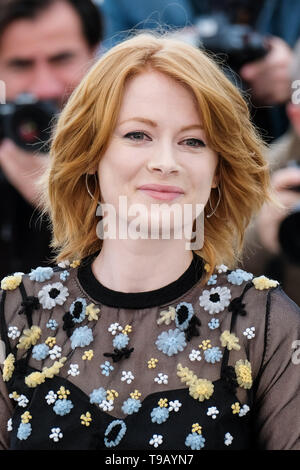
75	263
135	395
88	355
200	389
11	282
92	311
243	373
235	408
263	282
230	341
152	363
111	394
197	428
63	393
207	267
166	316
206	344
86	419
8	367
163	403
50	341
26	417
127	329
29	338
36	378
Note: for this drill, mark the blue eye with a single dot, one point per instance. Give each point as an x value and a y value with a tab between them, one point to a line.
194	143
136	136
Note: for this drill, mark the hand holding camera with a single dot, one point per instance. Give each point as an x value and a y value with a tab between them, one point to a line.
25	129
279	229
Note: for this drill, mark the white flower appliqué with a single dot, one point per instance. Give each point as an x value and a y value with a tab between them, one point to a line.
156	440
52	295
249	332
215	300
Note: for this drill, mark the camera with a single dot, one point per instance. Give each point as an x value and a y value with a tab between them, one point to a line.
236	44
27	122
289	230
239	43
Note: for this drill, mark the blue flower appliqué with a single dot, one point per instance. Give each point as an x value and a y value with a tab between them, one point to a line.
52	324
63	407
98	395
81	337
120	341
171	342
131	405
64	275
213	355
212	280
41	274
239	276
77	310
116	440
183	314
106	368
24	431
214	323
159	415
195	441
40	351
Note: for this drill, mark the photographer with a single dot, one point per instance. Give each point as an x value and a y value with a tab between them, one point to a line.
46	46
266	78
272	247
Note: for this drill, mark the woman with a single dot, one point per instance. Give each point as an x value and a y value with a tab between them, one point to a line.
137	342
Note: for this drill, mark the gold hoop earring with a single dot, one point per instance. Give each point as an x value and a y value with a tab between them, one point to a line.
217	205
87	185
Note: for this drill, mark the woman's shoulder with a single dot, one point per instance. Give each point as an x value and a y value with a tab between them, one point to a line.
43	288
242	293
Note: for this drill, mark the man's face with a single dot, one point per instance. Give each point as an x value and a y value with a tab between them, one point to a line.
46	56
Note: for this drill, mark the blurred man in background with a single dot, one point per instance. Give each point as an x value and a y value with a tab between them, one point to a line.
273	240
266	77
46	47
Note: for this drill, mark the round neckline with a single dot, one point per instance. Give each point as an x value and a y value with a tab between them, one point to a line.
138	300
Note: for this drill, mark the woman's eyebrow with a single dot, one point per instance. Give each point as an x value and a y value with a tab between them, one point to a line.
141	119
154	124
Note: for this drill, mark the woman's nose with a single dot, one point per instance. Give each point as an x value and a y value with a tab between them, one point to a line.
163	160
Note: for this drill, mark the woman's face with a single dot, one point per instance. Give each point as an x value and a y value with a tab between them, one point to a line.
158	140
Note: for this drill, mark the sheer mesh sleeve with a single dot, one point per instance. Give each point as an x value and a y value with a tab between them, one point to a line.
277	397
12	301
5	413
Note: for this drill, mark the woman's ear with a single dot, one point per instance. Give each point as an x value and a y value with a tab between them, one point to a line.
215	182
93	171
216	178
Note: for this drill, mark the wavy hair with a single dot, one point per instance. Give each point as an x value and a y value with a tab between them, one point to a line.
85	126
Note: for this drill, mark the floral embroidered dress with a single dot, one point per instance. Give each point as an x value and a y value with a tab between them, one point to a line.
189	366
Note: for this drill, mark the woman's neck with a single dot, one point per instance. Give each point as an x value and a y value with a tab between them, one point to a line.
140	265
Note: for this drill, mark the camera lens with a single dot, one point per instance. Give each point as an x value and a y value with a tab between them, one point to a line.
31	128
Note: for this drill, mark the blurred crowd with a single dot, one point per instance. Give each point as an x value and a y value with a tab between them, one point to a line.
46	47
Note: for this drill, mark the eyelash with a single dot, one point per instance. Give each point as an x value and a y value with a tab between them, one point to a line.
132	134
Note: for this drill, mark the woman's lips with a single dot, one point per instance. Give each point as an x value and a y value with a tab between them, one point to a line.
165	193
